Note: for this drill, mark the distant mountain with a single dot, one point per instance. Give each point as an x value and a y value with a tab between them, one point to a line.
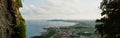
55	20
89	23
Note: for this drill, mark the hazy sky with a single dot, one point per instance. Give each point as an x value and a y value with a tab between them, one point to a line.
60	9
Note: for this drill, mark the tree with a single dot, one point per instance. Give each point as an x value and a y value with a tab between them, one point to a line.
109	25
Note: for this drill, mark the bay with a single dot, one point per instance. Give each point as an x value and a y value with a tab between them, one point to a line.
35	27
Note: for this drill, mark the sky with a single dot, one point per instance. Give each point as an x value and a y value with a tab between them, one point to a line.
60	9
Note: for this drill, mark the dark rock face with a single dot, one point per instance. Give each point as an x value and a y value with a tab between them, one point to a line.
9	18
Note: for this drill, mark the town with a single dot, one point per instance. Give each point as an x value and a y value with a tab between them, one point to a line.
75	31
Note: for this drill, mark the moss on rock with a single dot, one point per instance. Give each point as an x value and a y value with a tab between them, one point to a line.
21	27
19	3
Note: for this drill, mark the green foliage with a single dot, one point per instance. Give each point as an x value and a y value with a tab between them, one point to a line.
21	29
19	3
109	25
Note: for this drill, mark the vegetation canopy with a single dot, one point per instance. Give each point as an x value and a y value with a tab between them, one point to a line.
109	25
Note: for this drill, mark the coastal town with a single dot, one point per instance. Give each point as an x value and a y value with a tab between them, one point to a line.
70	32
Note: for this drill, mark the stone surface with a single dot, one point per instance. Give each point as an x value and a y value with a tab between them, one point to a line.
9	18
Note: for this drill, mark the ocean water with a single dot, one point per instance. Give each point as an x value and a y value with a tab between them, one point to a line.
35	27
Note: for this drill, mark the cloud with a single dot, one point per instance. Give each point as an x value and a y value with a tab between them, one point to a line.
62	9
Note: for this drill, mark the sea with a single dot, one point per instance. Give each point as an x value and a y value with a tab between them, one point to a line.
35	27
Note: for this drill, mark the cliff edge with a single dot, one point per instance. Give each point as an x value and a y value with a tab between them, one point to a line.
12	25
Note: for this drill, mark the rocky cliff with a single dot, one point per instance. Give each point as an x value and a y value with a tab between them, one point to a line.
12	25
